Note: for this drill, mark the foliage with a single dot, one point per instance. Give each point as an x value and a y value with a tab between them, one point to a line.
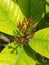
36	50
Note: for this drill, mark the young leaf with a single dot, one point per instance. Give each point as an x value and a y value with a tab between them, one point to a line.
10	15
40	42
19	56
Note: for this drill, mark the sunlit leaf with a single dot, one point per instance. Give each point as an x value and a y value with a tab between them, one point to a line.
10	15
40	42
21	55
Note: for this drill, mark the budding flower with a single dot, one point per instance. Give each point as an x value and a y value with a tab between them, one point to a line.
27	35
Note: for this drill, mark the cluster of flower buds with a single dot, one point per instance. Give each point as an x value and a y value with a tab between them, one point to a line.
27	34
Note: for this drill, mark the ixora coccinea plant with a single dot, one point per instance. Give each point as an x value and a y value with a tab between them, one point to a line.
16	20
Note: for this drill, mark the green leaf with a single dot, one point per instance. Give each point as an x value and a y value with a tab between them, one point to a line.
47	9
22	55
10	15
32	8
44	22
47	1
14	1
40	42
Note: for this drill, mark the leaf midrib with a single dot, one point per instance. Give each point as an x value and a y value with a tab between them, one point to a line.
40	39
